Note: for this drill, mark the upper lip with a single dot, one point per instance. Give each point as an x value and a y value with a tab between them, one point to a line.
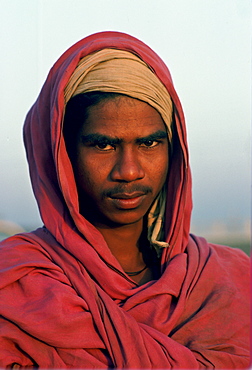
127	195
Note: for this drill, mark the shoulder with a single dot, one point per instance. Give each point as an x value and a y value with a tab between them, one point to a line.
25	247
223	253
35	241
226	266
22	253
230	255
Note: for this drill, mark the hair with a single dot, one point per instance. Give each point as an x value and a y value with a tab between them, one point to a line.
76	113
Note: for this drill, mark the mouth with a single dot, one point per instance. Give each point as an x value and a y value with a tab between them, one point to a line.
128	200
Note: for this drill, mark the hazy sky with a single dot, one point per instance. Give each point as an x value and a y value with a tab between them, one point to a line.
206	45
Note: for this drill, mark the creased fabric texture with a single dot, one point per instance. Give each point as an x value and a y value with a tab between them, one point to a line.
65	302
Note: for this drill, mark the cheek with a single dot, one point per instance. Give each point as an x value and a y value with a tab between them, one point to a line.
89	175
159	170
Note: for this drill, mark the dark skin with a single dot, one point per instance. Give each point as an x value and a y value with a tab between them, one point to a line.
120	166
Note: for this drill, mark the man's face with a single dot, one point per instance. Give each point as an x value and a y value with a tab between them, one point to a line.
121	161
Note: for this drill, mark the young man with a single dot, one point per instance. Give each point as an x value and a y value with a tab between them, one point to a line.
114	279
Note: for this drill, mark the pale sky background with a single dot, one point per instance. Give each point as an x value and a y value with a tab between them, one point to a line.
206	45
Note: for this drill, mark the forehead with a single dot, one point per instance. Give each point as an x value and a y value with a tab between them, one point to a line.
121	116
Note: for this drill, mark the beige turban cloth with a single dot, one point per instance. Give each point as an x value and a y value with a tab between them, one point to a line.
118	71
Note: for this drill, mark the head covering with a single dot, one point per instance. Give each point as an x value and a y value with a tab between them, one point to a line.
118	71
65	301
174	230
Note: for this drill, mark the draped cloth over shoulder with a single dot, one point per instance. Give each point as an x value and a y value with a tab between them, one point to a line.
65	301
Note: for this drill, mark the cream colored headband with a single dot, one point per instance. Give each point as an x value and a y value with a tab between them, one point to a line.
112	70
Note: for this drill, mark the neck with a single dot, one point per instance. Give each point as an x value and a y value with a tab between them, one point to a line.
123	242
129	245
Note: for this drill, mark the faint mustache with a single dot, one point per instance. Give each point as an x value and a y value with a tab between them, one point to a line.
121	189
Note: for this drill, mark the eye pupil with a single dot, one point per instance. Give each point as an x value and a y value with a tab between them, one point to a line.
102	145
149	143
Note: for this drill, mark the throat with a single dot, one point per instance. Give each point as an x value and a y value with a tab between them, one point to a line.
130	247
123	241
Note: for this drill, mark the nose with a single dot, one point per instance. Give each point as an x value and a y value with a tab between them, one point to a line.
127	167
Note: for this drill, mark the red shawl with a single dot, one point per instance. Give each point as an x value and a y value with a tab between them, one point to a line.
65	301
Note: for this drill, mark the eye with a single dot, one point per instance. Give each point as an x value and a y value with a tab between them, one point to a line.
103	146
149	143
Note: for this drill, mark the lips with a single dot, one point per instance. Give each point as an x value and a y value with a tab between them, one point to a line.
128	200
135	194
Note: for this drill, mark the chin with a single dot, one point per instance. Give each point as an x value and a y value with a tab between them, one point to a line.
119	220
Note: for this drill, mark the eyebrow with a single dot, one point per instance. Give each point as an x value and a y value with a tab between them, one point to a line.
99	138
158	135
